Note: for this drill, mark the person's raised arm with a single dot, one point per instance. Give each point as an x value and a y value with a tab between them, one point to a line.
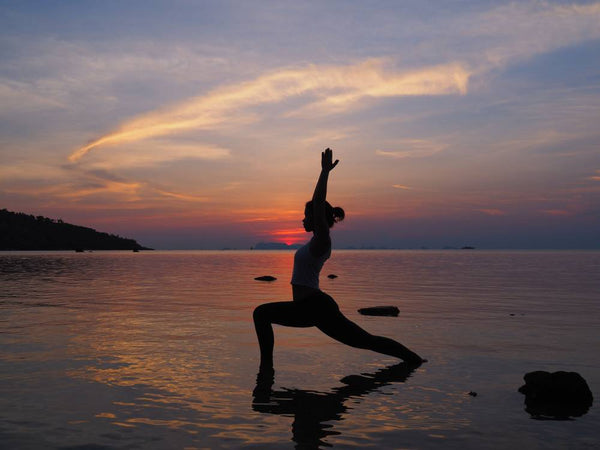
320	226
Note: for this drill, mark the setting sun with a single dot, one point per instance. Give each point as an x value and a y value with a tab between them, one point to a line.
288	236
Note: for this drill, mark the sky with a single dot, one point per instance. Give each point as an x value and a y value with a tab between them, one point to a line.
199	124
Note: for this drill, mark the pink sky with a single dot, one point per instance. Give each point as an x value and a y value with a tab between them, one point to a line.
472	125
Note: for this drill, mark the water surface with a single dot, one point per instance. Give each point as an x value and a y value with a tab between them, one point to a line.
157	350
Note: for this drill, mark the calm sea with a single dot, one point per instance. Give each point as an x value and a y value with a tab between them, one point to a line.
156	350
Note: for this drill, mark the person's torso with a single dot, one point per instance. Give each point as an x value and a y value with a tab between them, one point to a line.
307	267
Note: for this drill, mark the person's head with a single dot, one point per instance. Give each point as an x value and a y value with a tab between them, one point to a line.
333	214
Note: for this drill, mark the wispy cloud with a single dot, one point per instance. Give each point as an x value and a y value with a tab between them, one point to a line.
492	211
522	29
156	152
556	212
401	186
82	190
412	148
371	82
185	197
49	72
20	97
334	86
329	135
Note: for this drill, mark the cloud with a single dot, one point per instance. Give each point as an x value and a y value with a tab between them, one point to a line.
413	148
81	189
154	153
556	212
20	97
490	38
401	186
329	135
522	29
77	75
335	86
30	171
127	189
185	197
492	211
365	85
86	188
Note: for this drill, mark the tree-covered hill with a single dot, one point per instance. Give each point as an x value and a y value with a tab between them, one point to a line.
19	231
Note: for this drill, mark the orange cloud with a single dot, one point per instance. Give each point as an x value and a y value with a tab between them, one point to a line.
192	198
412	148
337	87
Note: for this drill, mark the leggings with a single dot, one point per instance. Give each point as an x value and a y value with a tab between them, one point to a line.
321	311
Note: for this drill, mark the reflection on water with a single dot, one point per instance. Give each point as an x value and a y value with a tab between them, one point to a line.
157	350
312	410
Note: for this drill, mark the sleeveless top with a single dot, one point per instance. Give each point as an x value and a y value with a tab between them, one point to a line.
307	267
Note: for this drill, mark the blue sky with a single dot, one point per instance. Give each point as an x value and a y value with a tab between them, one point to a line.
199	124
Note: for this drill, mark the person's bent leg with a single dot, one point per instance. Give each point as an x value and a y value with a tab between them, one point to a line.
290	314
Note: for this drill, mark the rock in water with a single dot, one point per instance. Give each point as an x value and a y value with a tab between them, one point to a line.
265	278
331	276
380	311
557	395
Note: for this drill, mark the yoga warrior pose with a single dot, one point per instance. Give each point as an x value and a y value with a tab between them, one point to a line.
312	307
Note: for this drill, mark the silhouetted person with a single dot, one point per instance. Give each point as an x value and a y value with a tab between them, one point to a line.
312	307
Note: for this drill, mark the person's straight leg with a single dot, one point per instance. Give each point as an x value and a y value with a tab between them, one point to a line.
342	329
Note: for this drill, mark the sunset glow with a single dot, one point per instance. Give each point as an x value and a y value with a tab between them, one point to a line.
453	123
288	236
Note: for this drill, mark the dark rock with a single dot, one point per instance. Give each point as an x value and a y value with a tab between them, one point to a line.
557	395
265	278
473	394
332	276
380	311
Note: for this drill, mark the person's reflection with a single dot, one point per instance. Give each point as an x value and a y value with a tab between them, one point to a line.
312	409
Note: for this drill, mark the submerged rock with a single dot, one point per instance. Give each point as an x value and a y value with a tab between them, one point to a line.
557	395
265	278
380	311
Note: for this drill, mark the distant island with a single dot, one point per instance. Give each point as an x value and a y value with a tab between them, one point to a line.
283	246
275	246
19	231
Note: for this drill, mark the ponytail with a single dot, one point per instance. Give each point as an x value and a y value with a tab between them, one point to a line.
332	214
337	214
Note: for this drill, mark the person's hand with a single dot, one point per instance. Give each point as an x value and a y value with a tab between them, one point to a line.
326	160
